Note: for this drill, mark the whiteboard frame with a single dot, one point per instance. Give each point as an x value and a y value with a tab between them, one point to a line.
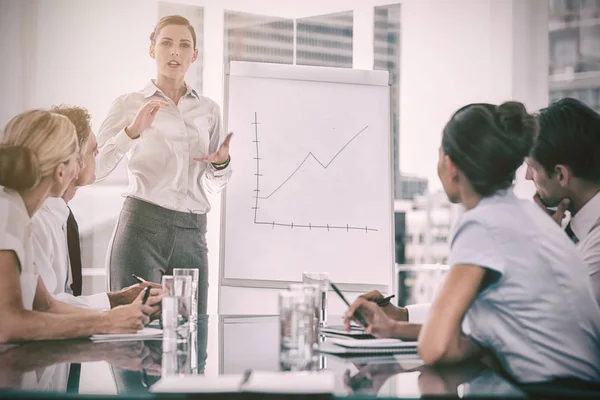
305	73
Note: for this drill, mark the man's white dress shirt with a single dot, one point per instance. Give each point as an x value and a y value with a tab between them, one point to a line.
52	255
586	227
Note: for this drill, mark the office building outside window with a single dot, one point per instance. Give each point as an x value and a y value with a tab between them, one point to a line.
574	34
386	54
325	40
258	38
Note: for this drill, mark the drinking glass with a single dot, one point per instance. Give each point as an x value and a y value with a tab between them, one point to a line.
322	280
194	273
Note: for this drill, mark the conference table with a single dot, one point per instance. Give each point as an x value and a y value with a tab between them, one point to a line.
224	345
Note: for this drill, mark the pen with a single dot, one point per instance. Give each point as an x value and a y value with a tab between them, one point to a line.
146	294
357	315
137	278
385	301
245	378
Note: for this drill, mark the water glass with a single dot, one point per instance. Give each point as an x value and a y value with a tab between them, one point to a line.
322	280
296	322
177	295
178	356
314	292
194	273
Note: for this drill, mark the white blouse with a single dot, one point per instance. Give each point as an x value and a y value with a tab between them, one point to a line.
16	234
162	169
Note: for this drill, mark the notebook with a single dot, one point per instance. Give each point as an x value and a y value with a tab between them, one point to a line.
356	332
349	346
143	334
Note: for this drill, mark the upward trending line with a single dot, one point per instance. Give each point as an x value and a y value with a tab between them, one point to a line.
310	154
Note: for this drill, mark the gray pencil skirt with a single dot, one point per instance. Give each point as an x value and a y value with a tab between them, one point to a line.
150	241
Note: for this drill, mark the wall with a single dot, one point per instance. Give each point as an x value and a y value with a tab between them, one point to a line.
460	52
11	70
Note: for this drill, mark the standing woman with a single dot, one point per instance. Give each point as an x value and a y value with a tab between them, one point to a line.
172	138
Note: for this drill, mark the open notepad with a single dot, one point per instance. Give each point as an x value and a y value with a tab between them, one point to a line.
321	382
143	334
350	346
355	332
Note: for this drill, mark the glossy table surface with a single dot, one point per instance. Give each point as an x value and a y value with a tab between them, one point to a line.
225	345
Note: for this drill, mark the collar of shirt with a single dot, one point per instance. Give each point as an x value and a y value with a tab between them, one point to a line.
150	90
58	208
498	196
584	220
16	198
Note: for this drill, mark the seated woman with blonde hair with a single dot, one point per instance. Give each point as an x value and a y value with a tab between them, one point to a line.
39	158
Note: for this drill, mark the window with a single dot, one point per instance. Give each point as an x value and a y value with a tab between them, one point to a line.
325	40
386	52
574	35
257	38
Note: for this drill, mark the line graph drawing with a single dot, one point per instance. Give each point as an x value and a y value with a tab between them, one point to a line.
310	154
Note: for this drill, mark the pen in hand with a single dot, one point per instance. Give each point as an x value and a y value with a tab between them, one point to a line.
146	295
357	315
385	301
137	278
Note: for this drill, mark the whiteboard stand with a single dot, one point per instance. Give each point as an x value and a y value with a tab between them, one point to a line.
286	97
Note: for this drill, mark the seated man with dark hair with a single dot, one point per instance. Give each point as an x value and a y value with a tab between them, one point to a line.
56	235
565	167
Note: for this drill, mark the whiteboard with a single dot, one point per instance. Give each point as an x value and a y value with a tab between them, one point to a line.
311	188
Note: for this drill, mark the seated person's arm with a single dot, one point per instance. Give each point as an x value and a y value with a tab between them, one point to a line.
45	302
441	339
19	324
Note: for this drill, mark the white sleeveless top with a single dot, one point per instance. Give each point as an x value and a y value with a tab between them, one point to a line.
16	234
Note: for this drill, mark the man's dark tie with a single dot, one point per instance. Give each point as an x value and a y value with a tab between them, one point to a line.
74	253
571	233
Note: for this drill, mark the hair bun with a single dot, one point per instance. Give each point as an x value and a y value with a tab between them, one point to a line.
512	116
516	122
19	168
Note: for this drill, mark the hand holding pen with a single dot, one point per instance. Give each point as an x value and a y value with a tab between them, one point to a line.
378	323
355	314
132	317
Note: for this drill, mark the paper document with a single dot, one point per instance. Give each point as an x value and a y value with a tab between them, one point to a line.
258	382
143	334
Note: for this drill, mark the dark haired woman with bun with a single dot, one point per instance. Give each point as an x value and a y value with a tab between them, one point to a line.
517	288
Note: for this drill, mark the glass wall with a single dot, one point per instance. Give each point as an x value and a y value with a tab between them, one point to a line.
574	34
325	40
258	38
386	56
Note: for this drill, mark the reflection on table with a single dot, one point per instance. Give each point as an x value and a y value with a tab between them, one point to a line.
227	345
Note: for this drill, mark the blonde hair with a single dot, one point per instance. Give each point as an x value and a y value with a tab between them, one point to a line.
172	20
34	144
